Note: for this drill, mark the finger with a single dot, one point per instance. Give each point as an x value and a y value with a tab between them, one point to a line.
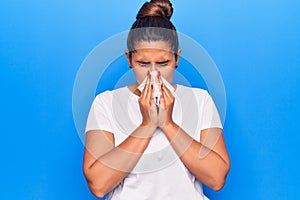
167	91
161	84
162	103
149	92
159	78
145	90
152	102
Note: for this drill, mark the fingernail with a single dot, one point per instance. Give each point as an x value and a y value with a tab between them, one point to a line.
162	85
152	86
158	74
148	74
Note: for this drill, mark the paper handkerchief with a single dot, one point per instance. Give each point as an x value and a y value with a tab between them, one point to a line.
156	86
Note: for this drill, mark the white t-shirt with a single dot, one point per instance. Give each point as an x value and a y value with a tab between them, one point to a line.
159	174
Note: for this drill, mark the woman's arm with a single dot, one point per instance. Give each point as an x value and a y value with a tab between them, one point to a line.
209	165
105	166
208	159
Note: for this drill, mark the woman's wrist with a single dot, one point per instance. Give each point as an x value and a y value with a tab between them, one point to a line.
168	125
149	126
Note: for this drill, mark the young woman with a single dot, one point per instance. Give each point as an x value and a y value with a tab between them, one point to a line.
153	139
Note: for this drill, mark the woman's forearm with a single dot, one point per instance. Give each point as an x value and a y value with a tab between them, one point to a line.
110	168
210	169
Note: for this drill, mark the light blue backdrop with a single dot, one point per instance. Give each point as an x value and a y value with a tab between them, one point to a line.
255	45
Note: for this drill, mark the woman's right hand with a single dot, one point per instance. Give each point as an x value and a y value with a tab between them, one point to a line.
147	105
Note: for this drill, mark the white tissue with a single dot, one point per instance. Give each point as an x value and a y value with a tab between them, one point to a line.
156	86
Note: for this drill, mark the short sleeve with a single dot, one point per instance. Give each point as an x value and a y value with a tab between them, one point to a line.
210	114
98	118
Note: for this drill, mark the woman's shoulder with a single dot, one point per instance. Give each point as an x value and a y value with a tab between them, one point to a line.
196	91
107	95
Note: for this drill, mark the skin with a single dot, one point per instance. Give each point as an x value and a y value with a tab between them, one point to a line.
207	160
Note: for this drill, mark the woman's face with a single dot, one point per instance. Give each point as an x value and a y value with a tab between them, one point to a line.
149	56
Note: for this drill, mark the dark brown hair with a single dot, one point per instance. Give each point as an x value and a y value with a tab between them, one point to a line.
153	24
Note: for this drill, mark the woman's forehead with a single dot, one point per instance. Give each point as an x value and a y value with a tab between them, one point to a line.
153	45
158	50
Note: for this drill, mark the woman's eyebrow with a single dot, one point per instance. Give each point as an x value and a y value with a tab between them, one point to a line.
142	62
163	62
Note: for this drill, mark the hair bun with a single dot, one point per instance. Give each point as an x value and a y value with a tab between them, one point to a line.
156	8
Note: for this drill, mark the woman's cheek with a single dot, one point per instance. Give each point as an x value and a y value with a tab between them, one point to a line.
140	75
168	75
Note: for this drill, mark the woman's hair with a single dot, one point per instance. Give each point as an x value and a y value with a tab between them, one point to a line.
153	24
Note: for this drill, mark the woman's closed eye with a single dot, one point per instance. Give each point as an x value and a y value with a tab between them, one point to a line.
158	64
143	64
163	64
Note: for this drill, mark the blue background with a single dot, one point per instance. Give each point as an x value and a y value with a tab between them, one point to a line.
255	45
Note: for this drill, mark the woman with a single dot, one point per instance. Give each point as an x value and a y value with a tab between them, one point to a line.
171	141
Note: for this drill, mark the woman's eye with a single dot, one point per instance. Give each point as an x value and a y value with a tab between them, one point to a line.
163	64
144	64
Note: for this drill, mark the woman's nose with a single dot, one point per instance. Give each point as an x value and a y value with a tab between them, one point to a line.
153	67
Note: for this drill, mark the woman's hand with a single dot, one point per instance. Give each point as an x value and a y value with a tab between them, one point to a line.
165	107
147	105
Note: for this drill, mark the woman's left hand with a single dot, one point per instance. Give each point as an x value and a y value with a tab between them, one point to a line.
165	107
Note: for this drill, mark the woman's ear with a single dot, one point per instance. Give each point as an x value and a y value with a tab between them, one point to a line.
128	57
178	57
